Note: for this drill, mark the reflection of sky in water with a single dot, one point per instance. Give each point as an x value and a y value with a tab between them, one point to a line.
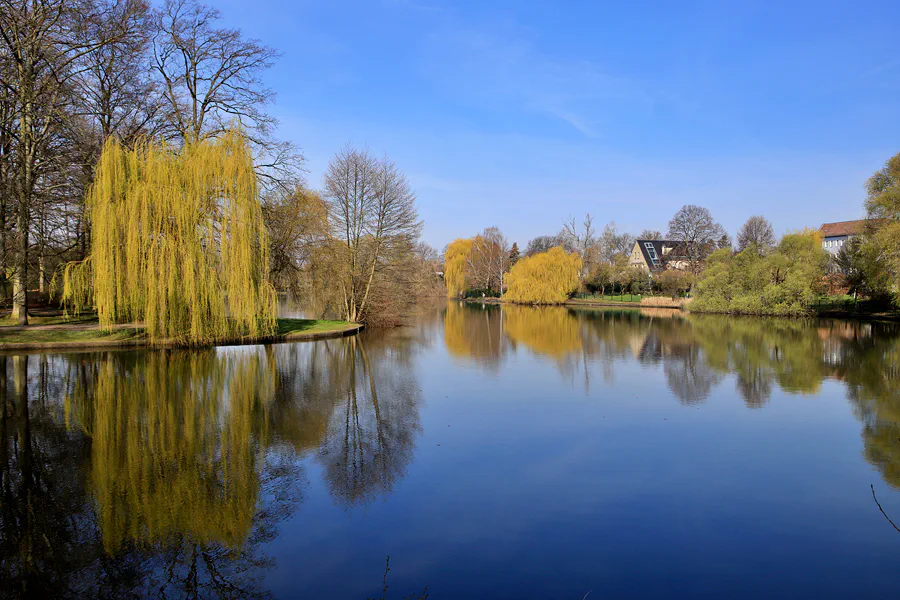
543	453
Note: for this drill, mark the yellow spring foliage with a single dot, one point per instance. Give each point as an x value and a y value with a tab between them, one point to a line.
551	331
179	242
473	333
546	278
455	259
176	441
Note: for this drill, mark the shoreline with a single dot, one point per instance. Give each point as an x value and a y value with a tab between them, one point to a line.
144	342
844	315
574	302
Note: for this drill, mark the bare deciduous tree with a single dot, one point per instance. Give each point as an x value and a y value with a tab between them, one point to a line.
758	232
212	78
116	91
542	243
582	239
650	234
488	260
612	243
695	228
7	166
43	48
373	220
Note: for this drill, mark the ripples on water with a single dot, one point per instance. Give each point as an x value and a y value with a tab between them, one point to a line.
514	453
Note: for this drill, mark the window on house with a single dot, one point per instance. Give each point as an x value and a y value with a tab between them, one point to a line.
651	252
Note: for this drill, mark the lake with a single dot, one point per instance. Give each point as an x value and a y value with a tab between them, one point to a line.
496	453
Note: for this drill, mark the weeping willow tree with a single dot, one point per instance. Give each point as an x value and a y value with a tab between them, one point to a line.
546	278
179	242
455	260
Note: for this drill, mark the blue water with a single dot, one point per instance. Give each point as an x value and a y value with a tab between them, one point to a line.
540	454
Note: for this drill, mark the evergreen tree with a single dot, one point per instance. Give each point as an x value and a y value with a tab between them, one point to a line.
514	254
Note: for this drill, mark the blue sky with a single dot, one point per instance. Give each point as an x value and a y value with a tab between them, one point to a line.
519	114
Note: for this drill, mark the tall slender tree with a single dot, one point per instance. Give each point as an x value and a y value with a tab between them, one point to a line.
373	221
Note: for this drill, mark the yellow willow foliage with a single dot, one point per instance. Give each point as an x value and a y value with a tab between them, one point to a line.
77	285
545	278
455	266
472	332
552	331
178	242
176	440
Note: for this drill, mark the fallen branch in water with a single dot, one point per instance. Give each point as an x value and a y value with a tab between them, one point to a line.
881	509
387	568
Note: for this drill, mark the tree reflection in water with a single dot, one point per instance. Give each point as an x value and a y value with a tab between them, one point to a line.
129	473
178	464
475	332
372	431
699	352
45	534
126	474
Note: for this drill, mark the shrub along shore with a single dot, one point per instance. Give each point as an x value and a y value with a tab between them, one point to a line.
55	332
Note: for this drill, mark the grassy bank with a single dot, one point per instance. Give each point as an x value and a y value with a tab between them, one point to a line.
54	331
298	328
63	335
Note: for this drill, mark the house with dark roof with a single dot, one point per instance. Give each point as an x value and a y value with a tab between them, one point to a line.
658	255
836	235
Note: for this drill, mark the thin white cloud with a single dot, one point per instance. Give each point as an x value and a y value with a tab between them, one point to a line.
502	69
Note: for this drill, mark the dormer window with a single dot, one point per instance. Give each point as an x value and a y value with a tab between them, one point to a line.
651	252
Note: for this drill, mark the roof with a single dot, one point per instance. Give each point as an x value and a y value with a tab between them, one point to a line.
842	228
653	253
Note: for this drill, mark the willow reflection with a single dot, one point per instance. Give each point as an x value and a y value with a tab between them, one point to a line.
475	332
549	331
176	442
178	462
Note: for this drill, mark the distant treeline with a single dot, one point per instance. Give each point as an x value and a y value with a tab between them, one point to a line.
758	274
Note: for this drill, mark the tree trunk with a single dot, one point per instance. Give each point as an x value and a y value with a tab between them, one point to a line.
20	281
41	271
3	258
24	187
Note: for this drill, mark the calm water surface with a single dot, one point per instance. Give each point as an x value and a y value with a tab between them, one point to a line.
517	453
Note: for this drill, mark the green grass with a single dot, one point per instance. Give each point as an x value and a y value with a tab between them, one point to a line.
295	326
8	321
290	328
44	336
